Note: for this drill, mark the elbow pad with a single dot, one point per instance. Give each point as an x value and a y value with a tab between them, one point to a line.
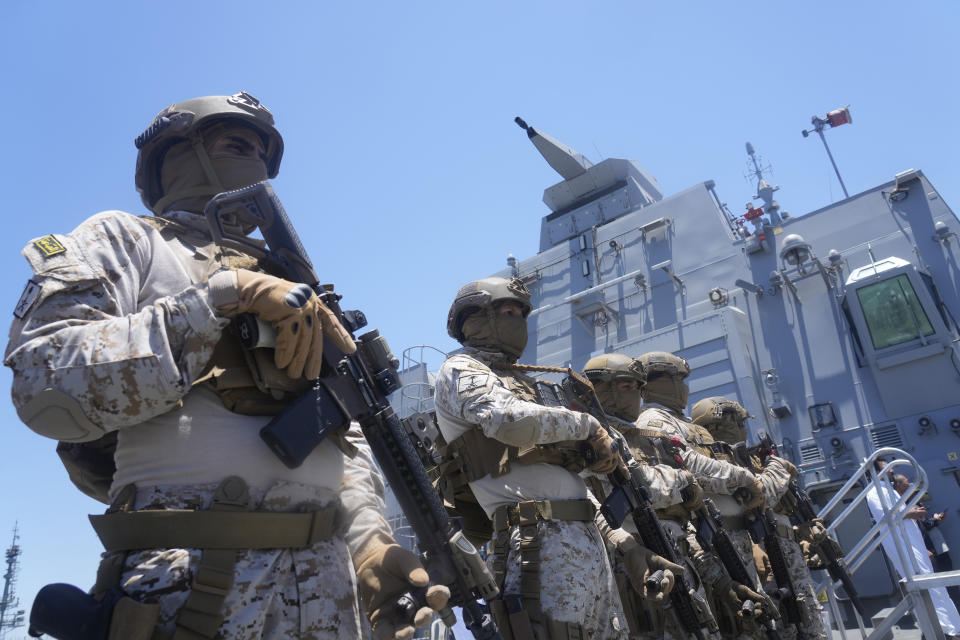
519	433
56	415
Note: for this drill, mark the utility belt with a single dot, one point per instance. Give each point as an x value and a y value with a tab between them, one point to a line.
66	613
529	512
520	616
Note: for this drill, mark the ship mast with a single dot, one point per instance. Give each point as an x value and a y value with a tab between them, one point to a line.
765	190
10	616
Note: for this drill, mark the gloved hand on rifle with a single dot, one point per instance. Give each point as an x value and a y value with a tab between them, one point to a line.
293	309
385	571
741	601
812	536
762	560
692	494
642	564
604	447
750	495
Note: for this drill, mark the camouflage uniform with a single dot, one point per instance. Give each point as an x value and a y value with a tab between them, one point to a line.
719	479
811	623
714	476
576	582
121	321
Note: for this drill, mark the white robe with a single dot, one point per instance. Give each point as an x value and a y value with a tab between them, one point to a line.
946	610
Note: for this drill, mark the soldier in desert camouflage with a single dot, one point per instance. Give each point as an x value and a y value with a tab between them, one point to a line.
726	422
119	341
665	398
521	460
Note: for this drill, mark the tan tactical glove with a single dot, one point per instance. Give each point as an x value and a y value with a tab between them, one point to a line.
810	555
762	560
750	496
813	531
296	313
642	563
385	571
760	605
603	447
692	495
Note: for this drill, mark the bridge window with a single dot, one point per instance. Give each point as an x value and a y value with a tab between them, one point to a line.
893	312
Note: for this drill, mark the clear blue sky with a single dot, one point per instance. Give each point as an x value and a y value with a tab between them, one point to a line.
403	170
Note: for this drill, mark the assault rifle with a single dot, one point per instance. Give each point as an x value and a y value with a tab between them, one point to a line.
355	387
630	496
829	551
713	537
764	529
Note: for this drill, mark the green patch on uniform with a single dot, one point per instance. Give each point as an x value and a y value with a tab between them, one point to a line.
49	246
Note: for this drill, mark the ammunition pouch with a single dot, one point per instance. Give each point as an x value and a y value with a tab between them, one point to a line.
65	612
473	456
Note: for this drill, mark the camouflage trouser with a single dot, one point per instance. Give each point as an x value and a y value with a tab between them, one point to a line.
650	620
811	623
306	593
576	582
732	625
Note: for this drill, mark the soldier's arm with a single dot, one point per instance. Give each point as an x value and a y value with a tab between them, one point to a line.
715	476
469	390
665	484
776	476
81	332
362	495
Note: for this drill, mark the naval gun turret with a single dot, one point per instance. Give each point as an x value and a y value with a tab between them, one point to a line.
589	194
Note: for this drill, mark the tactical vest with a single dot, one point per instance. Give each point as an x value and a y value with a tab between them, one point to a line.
246	380
473	455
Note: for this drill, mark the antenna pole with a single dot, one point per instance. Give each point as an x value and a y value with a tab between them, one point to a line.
830	155
834	118
8	601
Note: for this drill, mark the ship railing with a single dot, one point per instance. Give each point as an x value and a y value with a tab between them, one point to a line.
915	584
417	397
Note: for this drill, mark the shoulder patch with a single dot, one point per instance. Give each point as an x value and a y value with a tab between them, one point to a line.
654	423
30	294
470	382
49	246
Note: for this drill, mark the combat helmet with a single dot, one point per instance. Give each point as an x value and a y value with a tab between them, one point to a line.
604	372
185	121
666	375
473	319
723	418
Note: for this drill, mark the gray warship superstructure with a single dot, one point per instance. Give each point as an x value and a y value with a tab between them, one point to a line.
837	329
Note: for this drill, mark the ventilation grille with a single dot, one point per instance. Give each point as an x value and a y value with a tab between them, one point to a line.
886	436
810	453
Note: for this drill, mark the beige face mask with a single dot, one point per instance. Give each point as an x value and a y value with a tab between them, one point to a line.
187	184
504	333
667	390
622	403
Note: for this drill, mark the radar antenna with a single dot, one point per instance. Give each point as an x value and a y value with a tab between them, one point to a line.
765	190
10	616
